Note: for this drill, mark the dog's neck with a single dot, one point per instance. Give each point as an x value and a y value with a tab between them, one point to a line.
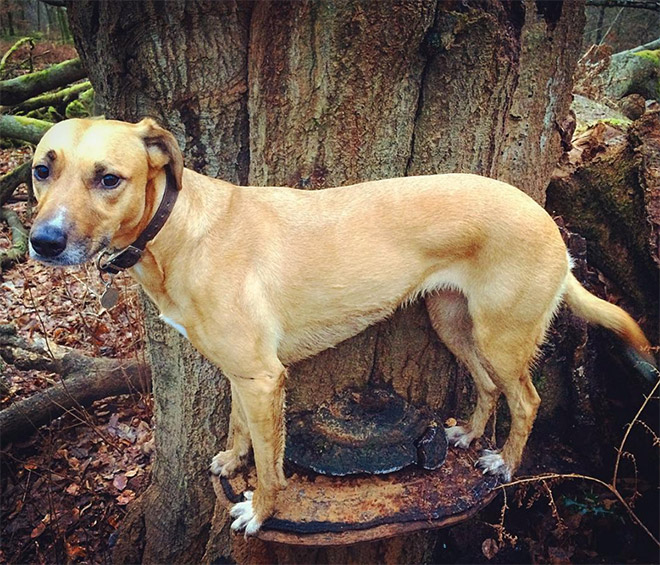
200	198
153	220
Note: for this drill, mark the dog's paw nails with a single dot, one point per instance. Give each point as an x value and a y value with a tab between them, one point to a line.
492	463
225	464
244	516
252	527
459	436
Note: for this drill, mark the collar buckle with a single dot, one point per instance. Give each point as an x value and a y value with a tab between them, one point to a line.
117	262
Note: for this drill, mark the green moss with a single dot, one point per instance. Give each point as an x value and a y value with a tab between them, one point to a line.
76	109
87	97
653	56
83	107
621	123
24	120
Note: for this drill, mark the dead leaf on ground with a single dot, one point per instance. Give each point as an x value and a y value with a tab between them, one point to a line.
125	497
119	482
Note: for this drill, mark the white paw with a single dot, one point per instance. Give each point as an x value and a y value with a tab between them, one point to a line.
491	462
244	517
459	436
225	464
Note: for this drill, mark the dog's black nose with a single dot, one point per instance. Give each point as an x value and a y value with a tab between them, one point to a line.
48	240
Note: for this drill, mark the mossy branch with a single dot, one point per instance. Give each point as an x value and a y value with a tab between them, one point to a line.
12	50
19	237
16	90
23	129
11	180
58	99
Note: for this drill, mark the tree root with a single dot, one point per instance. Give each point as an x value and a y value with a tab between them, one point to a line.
84	380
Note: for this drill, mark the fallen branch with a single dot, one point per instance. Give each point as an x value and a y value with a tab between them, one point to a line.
58	99
23	129
10	181
84	380
16	90
19	240
13	49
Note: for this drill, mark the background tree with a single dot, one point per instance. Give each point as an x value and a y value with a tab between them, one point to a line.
314	94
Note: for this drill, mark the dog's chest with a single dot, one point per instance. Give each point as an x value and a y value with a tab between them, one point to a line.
178	327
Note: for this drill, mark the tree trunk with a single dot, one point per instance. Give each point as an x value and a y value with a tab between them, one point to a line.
184	65
332	93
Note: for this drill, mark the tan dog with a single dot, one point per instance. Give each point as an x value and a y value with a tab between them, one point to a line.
258	278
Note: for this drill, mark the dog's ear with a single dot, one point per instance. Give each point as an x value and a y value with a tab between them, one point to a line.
162	148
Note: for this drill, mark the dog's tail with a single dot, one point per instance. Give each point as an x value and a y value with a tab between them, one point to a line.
602	313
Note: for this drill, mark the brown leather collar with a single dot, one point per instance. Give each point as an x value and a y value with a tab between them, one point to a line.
130	255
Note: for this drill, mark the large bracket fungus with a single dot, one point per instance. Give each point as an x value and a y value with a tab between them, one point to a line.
364	466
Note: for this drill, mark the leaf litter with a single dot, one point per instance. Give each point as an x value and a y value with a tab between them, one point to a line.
66	487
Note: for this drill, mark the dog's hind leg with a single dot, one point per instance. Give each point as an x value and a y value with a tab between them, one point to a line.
510	347
262	399
448	310
227	462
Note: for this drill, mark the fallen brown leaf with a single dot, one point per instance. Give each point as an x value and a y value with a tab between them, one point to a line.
119	482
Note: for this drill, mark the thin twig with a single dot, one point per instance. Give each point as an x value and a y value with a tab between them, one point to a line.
627	433
609	487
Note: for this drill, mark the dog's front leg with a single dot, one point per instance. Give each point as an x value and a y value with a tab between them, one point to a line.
262	400
227	463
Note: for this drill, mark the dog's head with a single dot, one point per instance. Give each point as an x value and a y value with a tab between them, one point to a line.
97	184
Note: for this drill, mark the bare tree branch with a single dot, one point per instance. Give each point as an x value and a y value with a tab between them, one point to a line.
84	380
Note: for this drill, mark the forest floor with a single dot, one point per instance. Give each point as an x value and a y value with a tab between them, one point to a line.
65	487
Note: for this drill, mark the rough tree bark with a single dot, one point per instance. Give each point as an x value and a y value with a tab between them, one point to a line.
313	94
185	65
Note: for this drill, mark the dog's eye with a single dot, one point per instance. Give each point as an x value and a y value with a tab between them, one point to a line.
41	172
110	181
